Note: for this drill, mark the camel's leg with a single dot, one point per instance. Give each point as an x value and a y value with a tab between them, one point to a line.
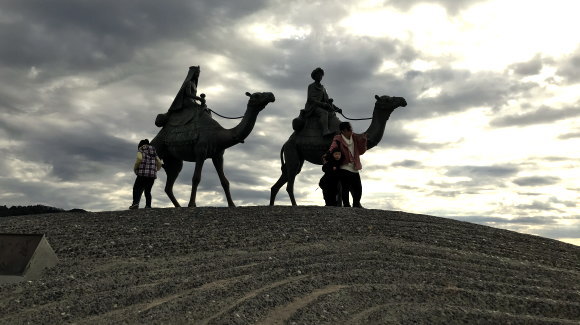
172	168
276	187
283	178
293	166
195	182
218	162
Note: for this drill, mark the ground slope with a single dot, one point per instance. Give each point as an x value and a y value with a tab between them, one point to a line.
291	265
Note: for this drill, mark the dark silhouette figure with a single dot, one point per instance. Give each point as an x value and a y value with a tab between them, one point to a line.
187	94
145	167
352	146
329	183
318	103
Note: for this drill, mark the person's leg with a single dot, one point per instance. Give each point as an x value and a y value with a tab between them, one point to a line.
345	182
338	195
332	193
327	197
148	185
323	186
356	188
138	188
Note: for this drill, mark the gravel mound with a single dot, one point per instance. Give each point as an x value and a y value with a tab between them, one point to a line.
290	265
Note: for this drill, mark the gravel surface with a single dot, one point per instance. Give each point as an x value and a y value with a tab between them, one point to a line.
290	265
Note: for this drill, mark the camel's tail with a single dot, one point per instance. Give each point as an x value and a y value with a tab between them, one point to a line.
282	163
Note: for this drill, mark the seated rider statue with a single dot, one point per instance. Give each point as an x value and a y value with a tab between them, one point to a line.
318	103
187	94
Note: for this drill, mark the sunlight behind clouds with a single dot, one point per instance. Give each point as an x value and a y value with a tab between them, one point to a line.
487	36
30	171
446	129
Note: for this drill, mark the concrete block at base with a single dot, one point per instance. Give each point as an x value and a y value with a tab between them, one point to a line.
24	257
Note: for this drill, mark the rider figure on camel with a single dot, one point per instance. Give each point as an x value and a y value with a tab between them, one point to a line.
188	92
186	96
318	103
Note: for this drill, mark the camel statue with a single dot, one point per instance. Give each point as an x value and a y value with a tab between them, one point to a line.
191	134
308	143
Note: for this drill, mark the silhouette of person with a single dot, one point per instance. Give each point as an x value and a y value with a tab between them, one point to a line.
318	103
352	145
187	94
329	183
146	167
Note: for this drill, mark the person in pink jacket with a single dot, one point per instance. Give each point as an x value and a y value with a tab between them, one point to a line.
352	145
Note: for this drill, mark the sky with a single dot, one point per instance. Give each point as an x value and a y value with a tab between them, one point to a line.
490	134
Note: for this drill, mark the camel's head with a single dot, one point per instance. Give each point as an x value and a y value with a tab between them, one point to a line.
260	100
389	103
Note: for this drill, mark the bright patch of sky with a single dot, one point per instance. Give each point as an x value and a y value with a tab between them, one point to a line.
487	36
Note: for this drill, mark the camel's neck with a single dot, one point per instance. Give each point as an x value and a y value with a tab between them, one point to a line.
377	128
241	131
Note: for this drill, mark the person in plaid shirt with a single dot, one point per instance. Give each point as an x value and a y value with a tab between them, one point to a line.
146	167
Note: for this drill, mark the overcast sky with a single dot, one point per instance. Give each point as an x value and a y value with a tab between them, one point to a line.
490	134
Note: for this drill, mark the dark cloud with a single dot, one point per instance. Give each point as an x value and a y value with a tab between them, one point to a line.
536	180
545	226
452	6
482	171
552	203
569	68
460	90
472	187
559	231
92	35
569	204
448	194
538	220
529	194
555	159
251	197
75	150
538	206
481	179
570	135
408	164
410	188
65	196
532	67
542	115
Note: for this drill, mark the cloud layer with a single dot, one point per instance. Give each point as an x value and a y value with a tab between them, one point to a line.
82	82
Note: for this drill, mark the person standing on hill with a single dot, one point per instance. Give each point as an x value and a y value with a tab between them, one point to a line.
352	145
145	167
329	183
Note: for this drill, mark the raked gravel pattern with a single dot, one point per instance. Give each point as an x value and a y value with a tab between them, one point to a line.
290	265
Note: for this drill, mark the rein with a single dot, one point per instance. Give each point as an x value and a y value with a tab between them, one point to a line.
239	117
355	119
229	118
